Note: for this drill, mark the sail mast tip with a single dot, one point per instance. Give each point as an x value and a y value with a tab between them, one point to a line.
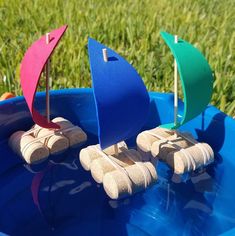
105	54
176	38
47	38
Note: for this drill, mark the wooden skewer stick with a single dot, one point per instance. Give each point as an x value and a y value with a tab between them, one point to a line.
175	88
105	54
48	82
105	57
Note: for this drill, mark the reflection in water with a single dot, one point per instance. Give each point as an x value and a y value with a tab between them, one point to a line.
115	204
59	184
80	188
195	205
71	202
71	166
172	205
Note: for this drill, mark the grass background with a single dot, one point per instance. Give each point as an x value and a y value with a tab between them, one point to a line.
131	28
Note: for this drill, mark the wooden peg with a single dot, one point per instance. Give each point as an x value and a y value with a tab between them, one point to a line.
176	38
105	54
47	38
116	149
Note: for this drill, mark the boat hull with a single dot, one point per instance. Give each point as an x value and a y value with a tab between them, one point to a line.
70	202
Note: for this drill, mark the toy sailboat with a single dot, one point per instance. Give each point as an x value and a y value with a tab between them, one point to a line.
122	105
180	150
46	137
74	205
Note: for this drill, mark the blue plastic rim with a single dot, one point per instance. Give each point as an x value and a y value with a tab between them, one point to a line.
71	203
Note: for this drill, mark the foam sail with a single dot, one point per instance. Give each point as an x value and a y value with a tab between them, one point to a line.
196	78
121	98
32	66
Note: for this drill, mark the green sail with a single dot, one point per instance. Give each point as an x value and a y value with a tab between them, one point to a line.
195	75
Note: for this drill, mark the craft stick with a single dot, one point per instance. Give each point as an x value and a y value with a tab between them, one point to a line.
101	166
74	134
105	54
56	143
146	139
162	147
175	88
89	154
48	82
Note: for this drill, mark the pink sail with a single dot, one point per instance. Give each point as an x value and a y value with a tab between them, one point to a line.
31	69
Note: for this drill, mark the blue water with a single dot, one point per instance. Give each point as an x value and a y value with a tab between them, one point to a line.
72	203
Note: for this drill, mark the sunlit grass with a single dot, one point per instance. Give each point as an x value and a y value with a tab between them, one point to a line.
129	27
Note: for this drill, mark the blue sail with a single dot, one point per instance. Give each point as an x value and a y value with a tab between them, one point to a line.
121	98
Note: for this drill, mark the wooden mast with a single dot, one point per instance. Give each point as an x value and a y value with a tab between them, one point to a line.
105	57
175	88
48	82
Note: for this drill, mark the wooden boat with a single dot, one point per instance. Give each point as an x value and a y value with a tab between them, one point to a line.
46	137
122	105
181	151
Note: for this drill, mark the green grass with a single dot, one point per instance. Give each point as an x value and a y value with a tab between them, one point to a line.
131	28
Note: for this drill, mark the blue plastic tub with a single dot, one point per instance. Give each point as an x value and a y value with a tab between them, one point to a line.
71	203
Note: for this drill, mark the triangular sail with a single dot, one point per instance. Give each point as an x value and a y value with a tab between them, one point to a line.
196	78
121	98
31	68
